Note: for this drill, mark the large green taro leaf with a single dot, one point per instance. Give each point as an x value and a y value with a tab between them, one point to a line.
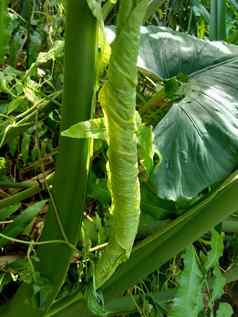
166	53
198	138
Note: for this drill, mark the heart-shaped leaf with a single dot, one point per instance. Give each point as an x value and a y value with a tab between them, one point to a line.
198	138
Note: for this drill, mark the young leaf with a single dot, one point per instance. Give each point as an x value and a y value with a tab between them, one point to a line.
94	128
189	298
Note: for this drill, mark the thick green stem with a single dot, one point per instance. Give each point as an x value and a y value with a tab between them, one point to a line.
218	20
213	21
221	20
73	163
70	182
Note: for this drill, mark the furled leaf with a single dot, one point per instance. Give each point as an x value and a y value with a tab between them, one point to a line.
118	100
189	298
21	221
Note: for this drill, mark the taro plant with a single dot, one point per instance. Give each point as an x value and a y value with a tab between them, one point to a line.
188	163
172	176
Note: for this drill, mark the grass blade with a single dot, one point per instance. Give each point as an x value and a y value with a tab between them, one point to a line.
8	211
21	221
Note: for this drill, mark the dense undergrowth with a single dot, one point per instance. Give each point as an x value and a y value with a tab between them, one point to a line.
199	281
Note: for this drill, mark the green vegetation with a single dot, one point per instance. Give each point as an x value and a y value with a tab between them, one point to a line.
118	158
